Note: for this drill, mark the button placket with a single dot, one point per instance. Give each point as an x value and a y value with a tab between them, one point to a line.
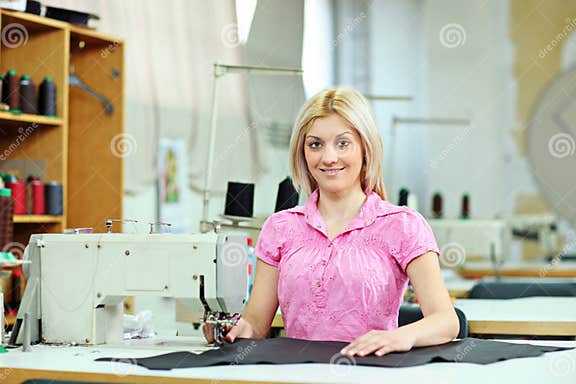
320	293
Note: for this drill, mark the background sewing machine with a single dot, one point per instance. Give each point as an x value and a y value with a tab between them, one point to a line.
493	240
76	283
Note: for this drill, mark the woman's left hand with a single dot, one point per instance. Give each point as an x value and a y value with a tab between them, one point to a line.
379	342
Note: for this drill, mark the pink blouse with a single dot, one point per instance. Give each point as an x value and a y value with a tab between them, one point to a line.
338	290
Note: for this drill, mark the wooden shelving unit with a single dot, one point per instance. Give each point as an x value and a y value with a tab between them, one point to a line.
74	148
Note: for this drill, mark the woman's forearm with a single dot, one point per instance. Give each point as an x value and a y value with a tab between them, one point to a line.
258	327
434	329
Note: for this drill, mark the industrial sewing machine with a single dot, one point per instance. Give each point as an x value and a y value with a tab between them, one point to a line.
76	283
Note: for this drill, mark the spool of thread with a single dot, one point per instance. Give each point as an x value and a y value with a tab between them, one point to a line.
28	99
36	188
437	206
6	217
403	196
2	88
465	214
53	198
287	196
16	291
1	318
3	106
11	91
18	189
412	201
239	199
47	98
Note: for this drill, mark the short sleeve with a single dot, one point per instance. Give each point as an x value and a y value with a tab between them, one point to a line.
413	237
269	244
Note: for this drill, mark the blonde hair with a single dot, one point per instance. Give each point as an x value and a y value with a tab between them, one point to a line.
355	109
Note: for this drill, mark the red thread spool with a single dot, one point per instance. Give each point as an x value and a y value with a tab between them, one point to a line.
38	202
19	195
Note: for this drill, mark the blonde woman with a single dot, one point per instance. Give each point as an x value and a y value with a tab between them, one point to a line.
339	265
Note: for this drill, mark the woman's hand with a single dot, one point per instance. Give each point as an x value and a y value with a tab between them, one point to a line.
208	330
379	342
242	329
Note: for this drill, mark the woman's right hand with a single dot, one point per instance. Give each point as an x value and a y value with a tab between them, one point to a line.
242	329
260	310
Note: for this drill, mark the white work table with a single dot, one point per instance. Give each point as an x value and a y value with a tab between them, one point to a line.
539	316
77	363
534	316
540	269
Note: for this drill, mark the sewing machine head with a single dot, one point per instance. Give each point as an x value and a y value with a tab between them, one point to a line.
76	283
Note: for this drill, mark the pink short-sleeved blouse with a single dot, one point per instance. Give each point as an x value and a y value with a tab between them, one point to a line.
340	289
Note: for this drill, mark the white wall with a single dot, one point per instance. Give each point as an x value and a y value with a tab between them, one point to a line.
473	79
399	68
466	74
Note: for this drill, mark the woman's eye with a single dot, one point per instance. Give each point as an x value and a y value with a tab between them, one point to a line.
314	145
343	144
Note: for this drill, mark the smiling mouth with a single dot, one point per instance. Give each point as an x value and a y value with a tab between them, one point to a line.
331	172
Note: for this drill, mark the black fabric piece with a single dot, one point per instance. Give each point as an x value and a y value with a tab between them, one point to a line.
284	350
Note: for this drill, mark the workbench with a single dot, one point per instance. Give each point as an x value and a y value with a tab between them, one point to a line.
535	316
477	270
77	363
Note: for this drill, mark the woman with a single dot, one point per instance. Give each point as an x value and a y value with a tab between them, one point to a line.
339	265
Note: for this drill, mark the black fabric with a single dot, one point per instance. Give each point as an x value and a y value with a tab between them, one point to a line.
411	313
294	351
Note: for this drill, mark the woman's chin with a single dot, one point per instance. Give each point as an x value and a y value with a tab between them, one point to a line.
333	187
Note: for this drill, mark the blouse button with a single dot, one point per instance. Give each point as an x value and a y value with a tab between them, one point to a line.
329	245
319	284
323	262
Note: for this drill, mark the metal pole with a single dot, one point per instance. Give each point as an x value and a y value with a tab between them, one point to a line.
430	121
256	68
388	98
219	71
416	121
211	145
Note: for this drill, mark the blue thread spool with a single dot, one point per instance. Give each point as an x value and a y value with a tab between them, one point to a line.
53	198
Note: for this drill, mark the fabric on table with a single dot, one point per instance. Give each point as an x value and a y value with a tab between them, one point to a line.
296	351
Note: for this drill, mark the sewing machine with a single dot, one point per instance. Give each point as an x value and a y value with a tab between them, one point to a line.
76	283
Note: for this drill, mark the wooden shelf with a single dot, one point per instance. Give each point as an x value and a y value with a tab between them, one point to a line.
96	36
37	219
26	118
33	23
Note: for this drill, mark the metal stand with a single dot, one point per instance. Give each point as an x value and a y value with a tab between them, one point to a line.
219	71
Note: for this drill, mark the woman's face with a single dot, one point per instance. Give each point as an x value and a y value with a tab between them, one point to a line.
333	152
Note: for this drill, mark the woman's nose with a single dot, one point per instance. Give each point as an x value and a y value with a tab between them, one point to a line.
330	156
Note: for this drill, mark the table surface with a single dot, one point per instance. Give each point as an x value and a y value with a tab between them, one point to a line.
558	366
472	270
542	316
544	309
